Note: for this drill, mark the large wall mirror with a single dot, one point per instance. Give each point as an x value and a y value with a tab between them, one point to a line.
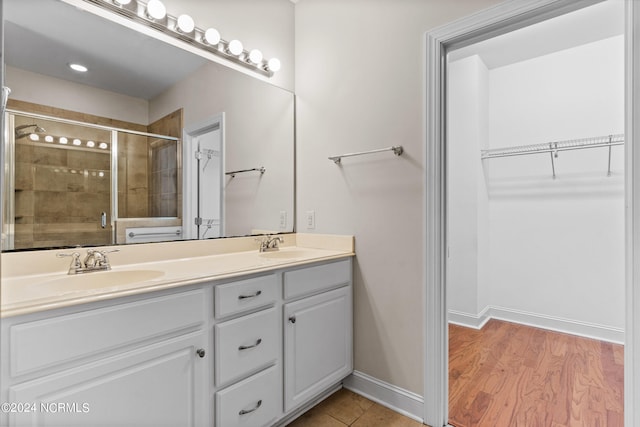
152	143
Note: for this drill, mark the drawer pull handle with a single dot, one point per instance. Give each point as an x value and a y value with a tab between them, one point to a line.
258	293
292	319
248	411
200	352
247	347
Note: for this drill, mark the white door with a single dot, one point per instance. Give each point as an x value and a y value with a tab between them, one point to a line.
203	172
317	342
164	384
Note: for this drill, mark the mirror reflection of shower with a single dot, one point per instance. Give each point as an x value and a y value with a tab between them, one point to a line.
20	132
68	182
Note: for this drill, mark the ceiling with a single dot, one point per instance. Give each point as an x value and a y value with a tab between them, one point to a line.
44	36
583	26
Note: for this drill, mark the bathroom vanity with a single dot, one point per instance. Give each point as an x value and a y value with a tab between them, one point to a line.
228	339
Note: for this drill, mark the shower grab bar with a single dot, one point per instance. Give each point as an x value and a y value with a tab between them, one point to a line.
175	233
397	150
261	169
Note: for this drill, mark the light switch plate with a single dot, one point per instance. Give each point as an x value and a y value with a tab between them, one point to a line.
283	220
311	220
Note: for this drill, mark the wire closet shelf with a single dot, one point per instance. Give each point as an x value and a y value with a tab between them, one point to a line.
556	146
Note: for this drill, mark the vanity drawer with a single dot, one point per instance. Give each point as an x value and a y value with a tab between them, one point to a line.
254	402
243	295
311	280
245	345
54	341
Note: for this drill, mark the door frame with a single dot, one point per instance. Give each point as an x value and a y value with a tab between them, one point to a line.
501	19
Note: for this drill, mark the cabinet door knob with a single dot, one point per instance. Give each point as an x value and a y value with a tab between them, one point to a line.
292	319
200	352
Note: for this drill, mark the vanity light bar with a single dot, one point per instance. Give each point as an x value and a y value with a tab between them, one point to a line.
68	141
153	14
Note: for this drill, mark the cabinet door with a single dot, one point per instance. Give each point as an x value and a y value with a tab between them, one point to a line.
318	344
159	385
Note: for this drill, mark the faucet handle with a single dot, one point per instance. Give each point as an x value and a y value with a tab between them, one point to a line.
75	255
105	259
75	261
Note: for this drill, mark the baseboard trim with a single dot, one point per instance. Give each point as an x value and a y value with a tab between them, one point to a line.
552	323
395	398
469	320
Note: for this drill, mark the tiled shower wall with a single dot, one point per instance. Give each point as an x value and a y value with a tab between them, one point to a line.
165	199
62	191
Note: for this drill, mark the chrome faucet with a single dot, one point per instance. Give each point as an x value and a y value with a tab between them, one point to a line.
269	243
94	260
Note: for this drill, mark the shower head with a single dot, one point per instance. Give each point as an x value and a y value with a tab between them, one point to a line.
20	133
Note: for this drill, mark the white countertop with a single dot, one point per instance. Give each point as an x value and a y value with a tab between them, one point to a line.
194	262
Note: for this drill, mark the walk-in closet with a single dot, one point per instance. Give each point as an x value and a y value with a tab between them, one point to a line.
535	223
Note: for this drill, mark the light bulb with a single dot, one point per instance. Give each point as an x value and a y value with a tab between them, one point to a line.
63	140
34	137
273	65
48	138
186	24
156	10
91	144
122	2
235	47
103	145
77	142
100	174
211	36
78	67
255	56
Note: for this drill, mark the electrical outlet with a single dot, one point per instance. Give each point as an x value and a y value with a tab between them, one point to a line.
311	220
283	219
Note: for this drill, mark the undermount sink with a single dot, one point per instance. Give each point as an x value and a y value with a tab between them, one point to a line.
284	254
99	279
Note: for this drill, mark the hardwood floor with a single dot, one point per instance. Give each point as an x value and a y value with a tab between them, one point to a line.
514	375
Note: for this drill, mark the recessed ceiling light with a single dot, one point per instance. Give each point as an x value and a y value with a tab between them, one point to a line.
78	67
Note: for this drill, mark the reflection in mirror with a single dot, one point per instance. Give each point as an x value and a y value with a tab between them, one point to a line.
62	191
134	85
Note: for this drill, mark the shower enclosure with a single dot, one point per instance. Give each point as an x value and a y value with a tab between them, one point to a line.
69	183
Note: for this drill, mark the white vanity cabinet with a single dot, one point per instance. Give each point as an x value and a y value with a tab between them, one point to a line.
248	352
318	331
142	362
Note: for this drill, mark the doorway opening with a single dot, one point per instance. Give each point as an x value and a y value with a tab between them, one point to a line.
535	223
497	232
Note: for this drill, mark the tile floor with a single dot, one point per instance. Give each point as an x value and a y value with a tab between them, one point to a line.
345	408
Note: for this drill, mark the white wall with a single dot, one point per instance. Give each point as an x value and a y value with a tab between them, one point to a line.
467	220
258	131
45	90
555	247
359	86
